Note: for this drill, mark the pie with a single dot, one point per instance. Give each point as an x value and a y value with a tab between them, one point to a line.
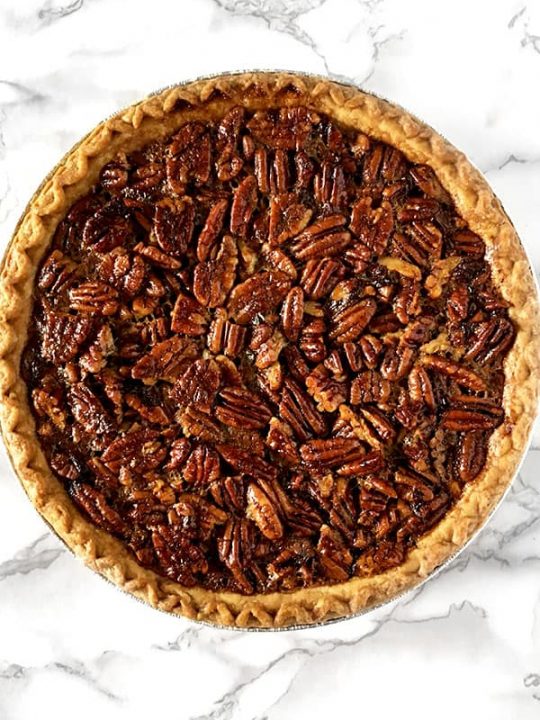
269	350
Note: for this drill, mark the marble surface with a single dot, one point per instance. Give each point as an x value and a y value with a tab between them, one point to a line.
465	644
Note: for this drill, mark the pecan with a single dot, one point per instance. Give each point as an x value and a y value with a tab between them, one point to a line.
419	332
370	348
211	230
280	440
367	464
373	227
319	241
164	361
201	514
407	302
327	392
94	503
369	426
490	340
188	316
331	453
199	424
89	412
146	177
320	277
298	410
287	128
56	272
198	385
292	313
153	414
233	549
178	454
370	387
225	336
418	209
125	272
64	466
213	279
228	164
414	482
107	228
141	450
471	455
349	323
466	420
330	186
47	405
279	261
263	513
357	257
63	334
305	168
244	462
397	362
312	342
334	556
113	177
230	127
420	389
287	218
260	162
158	257
382	557
258	295
243	205
94	298
406	269
465	242
243	409
462	376
429	184
173	227
103	346
177	556
202	466
190	156
268	350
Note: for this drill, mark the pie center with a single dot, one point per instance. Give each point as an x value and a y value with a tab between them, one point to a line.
266	352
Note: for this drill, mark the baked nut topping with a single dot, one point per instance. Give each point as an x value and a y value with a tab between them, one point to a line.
266	353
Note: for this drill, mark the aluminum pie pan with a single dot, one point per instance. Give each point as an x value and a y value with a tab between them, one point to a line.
449	560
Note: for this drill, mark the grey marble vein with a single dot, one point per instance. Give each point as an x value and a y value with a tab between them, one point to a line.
31	558
50	13
280	16
522	19
226	706
76	668
269	10
533	680
12	93
516	17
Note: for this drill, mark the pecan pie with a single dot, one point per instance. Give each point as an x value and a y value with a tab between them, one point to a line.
269	350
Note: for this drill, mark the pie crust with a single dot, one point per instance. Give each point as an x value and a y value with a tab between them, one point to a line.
157	117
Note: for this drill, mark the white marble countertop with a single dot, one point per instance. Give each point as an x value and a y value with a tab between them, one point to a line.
465	644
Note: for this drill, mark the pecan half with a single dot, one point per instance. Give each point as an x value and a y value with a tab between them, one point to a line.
258	295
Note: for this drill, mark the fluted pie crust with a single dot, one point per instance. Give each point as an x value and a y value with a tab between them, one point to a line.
157	117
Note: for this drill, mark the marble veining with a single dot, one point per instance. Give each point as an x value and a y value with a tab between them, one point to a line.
471	635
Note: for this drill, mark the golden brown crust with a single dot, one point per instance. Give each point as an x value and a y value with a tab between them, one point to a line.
158	116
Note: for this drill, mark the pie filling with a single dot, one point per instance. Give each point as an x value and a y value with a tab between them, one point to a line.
266	353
